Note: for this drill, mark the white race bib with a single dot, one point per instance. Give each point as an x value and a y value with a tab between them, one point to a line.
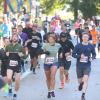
34	45
85	59
49	60
68	56
13	63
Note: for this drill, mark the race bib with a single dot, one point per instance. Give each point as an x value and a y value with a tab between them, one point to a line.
49	60
13	63
85	59
68	56
34	45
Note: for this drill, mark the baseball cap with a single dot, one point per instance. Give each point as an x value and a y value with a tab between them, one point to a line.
63	34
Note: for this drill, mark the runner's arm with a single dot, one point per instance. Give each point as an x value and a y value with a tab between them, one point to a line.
75	52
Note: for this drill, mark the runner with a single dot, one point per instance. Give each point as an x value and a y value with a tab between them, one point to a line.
14	51
84	52
22	36
99	43
14	30
4	60
22	39
28	30
33	46
64	58
94	34
50	64
2	83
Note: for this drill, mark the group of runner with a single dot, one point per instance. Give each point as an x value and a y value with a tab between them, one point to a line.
58	50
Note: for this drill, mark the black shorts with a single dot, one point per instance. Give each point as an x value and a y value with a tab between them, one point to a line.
15	69
4	68
65	64
81	71
33	54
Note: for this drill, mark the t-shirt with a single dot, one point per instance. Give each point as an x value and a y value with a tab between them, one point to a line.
66	47
13	52
94	34
28	31
87	50
35	43
53	50
14	48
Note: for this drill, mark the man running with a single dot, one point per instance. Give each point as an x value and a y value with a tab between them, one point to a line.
33	46
14	51
4	60
84	52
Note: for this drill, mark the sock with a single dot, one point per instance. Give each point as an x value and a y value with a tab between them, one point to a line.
52	90
49	91
15	92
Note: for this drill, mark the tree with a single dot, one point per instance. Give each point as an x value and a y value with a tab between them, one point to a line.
75	7
87	7
49	6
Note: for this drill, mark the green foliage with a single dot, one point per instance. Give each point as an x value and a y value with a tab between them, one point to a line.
88	8
75	7
1	7
49	6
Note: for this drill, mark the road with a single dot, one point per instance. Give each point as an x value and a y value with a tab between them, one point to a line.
33	87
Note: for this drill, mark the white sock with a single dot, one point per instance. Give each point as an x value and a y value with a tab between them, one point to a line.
52	90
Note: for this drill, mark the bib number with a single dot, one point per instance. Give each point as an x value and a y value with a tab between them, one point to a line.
68	56
85	59
34	45
13	63
49	60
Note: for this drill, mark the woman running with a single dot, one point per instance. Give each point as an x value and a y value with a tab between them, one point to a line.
64	56
50	64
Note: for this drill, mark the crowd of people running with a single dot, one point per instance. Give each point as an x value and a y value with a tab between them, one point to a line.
52	39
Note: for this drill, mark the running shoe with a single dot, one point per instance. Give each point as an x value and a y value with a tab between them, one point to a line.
83	97
80	86
5	94
52	94
14	97
49	95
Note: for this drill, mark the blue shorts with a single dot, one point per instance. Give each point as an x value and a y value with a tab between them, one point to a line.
49	66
